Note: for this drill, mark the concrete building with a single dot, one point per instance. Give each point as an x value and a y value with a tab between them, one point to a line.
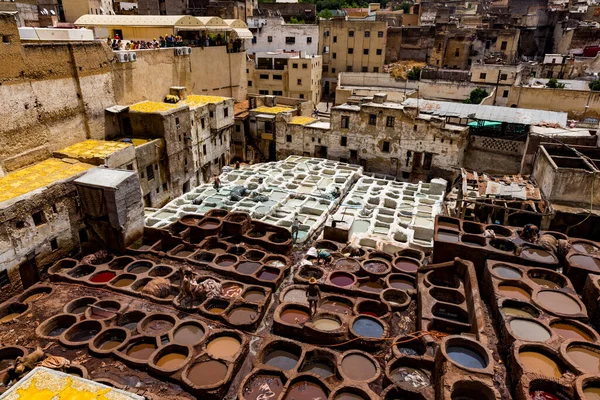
306	12
350	46
295	75
273	34
73	9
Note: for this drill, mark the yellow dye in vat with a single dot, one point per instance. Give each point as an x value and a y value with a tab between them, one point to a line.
68	392
90	149
301	120
194	100
37	176
272	110
152	107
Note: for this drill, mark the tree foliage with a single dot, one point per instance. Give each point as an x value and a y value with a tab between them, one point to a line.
414	74
554	84
326	14
595	85
476	96
294	20
404	6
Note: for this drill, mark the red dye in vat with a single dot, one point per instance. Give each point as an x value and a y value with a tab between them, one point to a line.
341	279
541	395
369	313
103	277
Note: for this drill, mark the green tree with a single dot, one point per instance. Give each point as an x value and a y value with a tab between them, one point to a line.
404	6
414	74
595	85
476	96
554	84
326	14
294	20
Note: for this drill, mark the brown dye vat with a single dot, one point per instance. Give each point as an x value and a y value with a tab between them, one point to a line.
517	312
358	367
376	267
539	363
506	272
529	330
586	248
336	306
83	335
558	302
349	396
305	390
110	344
538	255
513	292
254	296
171	361
412	378
591	393
207	373
407	265
140	267
294	316
317	368
248	267
568	331
188	334
157	326
231	290
281	359
122	282
586	359
216	310
254	255
141	351
225	261
370	286
447	236
242	315
347	264
402	284
268	274
546	283
223	347
263	387
34	297
447	224
327	324
586	262
209	225
130	320
9	317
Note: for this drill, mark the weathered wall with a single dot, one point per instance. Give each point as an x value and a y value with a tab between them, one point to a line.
572	102
278	32
494	156
409	43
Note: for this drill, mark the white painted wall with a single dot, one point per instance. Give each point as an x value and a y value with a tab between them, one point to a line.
278	30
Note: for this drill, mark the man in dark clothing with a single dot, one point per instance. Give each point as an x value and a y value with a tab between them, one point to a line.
313	295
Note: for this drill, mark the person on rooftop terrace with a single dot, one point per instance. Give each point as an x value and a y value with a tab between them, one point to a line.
313	295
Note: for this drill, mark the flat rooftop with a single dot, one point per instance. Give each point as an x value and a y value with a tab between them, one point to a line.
91	149
195	100
272	110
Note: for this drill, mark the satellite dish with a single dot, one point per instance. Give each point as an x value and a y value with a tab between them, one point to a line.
52	12
102	10
45	12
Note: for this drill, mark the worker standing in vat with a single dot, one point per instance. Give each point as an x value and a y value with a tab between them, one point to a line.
313	295
323	257
217	183
295	229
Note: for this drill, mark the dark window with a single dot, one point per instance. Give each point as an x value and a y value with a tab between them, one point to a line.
326	34
304	66
54	244
367	34
301	96
263	92
350	33
177	121
415	128
344	141
309	39
439	46
130	167
503	45
277	93
385	147
348	68
380	34
6	39
505	93
295	65
299	81
456	53
149	172
83	236
354	154
482	75
39	218
226	112
204	149
351	51
238	128
390	122
378	52
4	280
366	52
202	122
333	55
164	187
372	119
269	39
345	122
335	39
277	77
264	76
375	69
288	138
249	83
253	39
333	70
211	114
503	77
365	69
427	159
290	40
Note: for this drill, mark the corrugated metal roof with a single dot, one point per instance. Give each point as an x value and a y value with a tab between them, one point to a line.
489	113
139	20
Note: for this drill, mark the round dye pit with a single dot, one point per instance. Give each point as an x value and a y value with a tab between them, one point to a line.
254	296
376	267
268	274
103	277
225	261
274	261
402	284
345	395
503	245
188	334
557	302
262	387
294	316
368	327
79	306
231	290
447	236
539	363
541	395
538	255
342	279
56	325
506	272
254	255
223	347
248	267
295	296
139	267
513	292
130	320
347	265
396	298
529	330
336	306
412	378
141	351
585	358
466	357
35	294
371	286
110	339
157	326
207	373
242	315
447	223
546	283
569	331
586	262
82	333
326	324
318	368
171	361
586	248
281	359
407	265
305	390
517	312
123	281
358	367
81	271
591	392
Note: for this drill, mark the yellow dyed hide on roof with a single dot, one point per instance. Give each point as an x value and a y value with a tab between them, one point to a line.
272	110
301	120
152	107
92	149
37	176
195	100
